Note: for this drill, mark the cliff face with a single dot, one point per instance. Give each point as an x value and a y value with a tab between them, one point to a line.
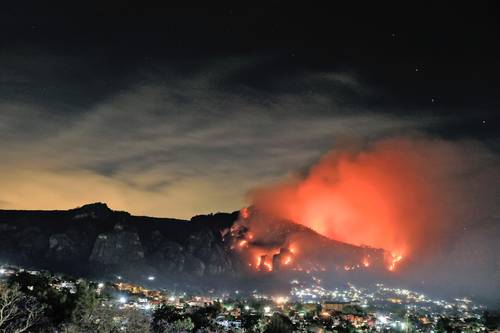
95	240
116	247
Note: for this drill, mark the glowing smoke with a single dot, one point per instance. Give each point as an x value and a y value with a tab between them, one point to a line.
408	196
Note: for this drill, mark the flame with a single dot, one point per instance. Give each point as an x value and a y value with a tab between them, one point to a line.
394	260
287	260
267	265
244	213
366	262
363	196
243	243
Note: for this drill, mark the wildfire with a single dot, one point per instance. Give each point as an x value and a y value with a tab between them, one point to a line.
244	213
354	195
366	262
393	261
288	260
242	243
263	264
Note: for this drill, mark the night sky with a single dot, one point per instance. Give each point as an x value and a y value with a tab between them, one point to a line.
179	111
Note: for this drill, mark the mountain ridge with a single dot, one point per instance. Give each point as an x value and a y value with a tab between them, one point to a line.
94	240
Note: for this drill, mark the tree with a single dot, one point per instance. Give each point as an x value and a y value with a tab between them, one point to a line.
279	324
179	326
162	316
356	310
86	301
18	312
250	321
492	320
444	325
135	321
58	304
106	319
201	317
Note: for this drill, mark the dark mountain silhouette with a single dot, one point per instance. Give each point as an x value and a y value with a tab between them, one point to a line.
95	241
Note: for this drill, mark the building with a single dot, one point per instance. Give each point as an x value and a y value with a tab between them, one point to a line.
336	306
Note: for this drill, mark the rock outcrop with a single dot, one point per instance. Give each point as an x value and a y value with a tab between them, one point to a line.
94	240
117	247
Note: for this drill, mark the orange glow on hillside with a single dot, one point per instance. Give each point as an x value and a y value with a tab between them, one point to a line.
386	196
393	261
366	262
244	213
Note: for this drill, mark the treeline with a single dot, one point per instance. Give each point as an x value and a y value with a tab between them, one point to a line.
36	303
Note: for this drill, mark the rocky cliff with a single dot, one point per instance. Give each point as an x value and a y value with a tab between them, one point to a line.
94	240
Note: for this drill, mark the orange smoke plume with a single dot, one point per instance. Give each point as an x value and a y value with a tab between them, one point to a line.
398	194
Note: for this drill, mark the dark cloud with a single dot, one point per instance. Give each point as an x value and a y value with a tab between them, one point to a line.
178	111
170	134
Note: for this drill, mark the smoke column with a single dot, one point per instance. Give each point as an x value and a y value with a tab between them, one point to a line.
410	196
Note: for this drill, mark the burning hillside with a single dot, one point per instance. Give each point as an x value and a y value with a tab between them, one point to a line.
284	246
405	196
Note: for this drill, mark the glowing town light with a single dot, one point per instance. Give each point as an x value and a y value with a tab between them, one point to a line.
151	278
280	300
267	309
247	308
2	271
382	319
100	285
171	299
122	300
